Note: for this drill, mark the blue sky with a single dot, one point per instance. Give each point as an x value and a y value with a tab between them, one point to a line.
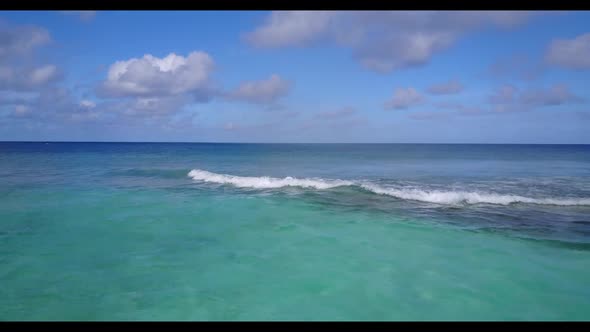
253	76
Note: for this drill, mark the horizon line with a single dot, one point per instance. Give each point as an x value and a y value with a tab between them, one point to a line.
205	142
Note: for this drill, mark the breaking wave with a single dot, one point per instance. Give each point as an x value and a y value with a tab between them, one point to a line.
265	182
429	196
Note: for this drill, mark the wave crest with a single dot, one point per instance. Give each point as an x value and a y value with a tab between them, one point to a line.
265	182
465	197
429	196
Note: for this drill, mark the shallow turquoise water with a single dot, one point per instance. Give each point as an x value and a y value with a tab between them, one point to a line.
121	232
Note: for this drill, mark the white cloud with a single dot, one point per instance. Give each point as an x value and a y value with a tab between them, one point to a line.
153	87
43	74
404	98
50	104
570	53
285	28
407	50
555	95
88	104
503	95
56	101
18	70
446	88
21	40
508	98
263	91
156	77
153	106
18	78
381	40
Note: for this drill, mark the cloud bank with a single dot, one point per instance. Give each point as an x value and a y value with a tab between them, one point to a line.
570	53
381	41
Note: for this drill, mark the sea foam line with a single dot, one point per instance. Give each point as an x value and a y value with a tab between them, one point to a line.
265	182
429	196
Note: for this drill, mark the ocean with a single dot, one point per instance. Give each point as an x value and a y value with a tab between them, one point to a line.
203	231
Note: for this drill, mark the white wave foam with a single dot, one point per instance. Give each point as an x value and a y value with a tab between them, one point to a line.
429	196
459	197
265	182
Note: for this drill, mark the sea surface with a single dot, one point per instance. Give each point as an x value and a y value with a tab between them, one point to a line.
183	231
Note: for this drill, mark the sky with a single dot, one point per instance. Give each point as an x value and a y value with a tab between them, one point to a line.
296	76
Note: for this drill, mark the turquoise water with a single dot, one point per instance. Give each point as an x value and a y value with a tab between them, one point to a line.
113	231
